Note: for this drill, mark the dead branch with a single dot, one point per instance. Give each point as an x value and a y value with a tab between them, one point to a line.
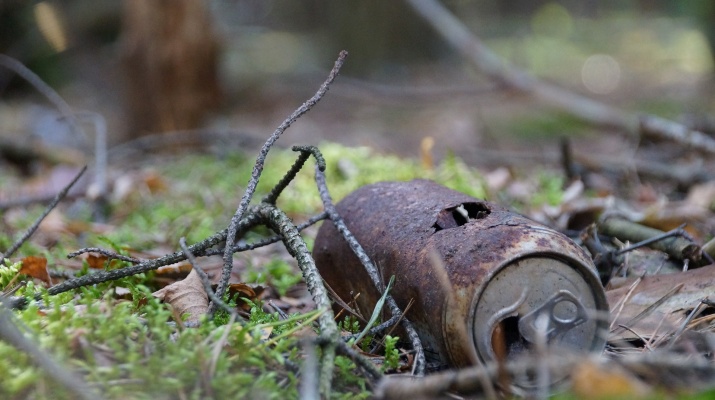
419	364
265	242
309	383
107	253
594	112
305	153
197	249
278	221
676	245
258	168
61	195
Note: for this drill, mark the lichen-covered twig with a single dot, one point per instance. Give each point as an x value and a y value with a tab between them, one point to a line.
204	277
419	364
258	169
305	153
273	239
107	253
49	208
197	249
278	221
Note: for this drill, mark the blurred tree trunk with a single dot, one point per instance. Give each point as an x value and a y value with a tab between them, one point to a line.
170	57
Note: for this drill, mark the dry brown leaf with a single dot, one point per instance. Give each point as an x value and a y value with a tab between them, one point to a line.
154	182
95	261
171	269
36	267
696	284
241	291
593	381
187	297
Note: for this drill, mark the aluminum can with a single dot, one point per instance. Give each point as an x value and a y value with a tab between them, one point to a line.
495	274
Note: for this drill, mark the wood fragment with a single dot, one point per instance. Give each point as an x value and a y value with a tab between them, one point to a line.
678	247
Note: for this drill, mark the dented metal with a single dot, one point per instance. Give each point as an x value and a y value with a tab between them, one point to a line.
499	272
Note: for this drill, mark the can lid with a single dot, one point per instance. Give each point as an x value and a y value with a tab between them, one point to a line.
539	295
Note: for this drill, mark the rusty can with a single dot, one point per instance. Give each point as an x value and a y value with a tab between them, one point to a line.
502	272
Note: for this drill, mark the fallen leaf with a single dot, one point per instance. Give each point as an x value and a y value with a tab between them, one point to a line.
186	296
241	291
692	286
96	261
594	381
36	267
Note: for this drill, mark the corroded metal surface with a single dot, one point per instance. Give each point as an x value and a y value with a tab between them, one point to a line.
502	271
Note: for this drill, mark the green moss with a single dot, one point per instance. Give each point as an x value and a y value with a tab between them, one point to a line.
129	348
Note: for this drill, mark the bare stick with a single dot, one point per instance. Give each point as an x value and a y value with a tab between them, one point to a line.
305	153
273	239
595	112
309	389
258	168
11	334
278	221
675	243
371	270
204	278
372	372
47	91
198	249
39	220
107	253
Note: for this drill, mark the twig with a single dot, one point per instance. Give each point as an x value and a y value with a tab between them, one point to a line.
258	168
372	372
595	112
49	208
10	334
675	243
696	310
370	269
273	239
197	249
650	308
218	347
204	278
278	221
375	329
107	253
309	388
662	128
305	153
47	91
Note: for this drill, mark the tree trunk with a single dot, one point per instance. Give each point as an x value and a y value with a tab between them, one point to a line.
170	57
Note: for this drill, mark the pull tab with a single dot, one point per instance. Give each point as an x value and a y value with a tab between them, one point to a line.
564	312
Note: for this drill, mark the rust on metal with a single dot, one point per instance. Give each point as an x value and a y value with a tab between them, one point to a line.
503	270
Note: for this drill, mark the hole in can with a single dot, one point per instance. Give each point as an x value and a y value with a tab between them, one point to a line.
507	342
457	216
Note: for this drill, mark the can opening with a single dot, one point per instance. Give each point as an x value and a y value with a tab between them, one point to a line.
507	341
453	217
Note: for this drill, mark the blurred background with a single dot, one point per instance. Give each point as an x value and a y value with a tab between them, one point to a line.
196	69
